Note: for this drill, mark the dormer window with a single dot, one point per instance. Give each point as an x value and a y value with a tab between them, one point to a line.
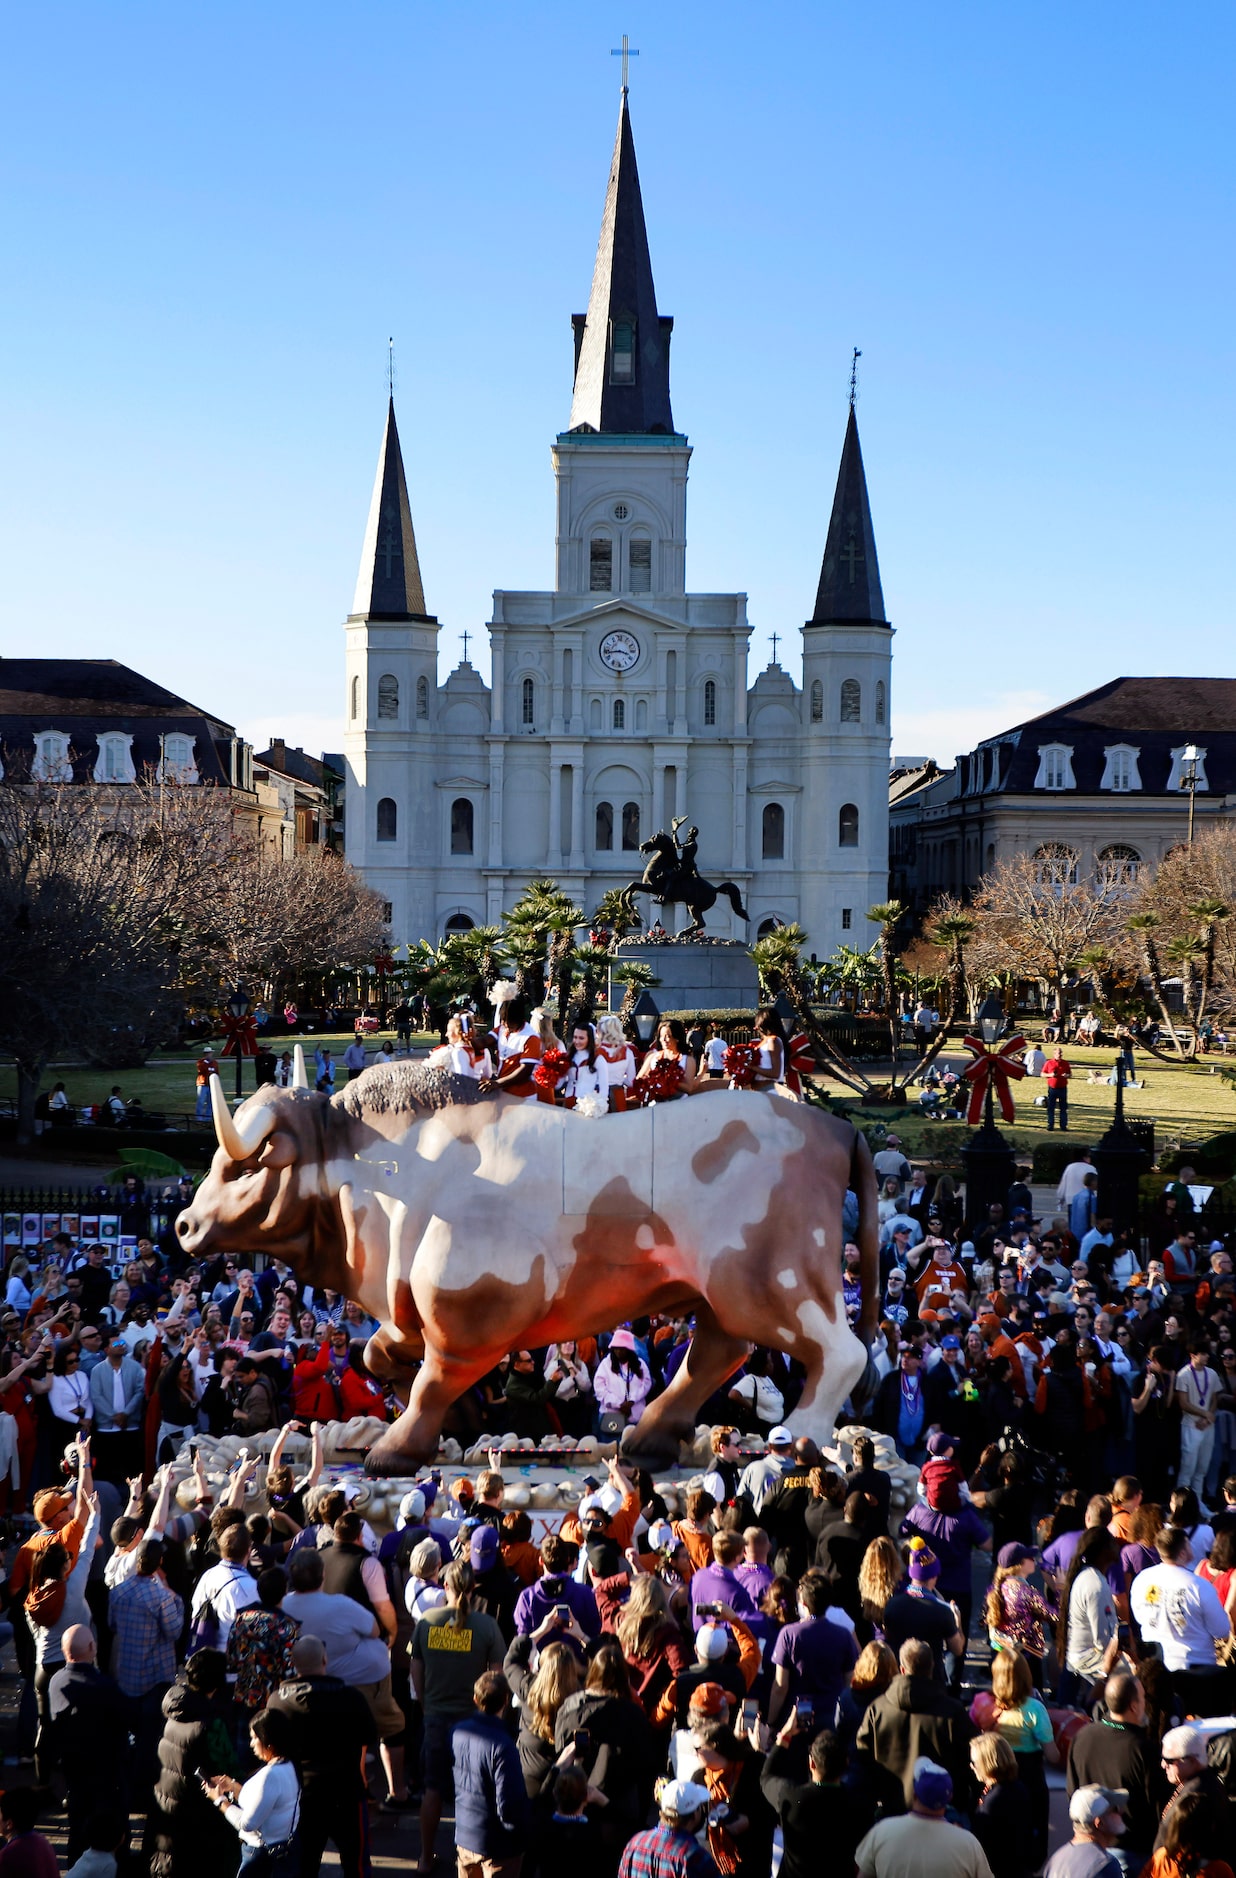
1120	768
177	763
51	757
600	564
622	353
639	560
1188	769
1055	767
115	760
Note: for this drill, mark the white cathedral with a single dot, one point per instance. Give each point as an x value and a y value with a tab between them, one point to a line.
619	700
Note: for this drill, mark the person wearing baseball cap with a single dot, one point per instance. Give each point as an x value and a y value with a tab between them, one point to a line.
1097	1814
762	1477
671	1847
923	1841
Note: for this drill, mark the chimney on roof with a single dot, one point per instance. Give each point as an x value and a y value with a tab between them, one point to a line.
279	751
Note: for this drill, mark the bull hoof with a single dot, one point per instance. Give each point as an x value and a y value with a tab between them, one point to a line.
657	1447
385	1458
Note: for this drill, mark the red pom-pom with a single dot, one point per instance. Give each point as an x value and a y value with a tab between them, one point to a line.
552	1067
740	1060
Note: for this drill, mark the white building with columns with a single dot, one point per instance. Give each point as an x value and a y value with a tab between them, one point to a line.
619	699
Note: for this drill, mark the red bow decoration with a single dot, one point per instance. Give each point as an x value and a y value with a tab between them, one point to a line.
799	1061
740	1060
549	1072
658	1085
241	1034
599	935
998	1065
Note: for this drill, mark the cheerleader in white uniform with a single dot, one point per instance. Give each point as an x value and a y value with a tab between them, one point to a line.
454	1054
612	1045
589	1071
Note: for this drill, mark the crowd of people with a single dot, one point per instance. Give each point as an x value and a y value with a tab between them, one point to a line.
217	1677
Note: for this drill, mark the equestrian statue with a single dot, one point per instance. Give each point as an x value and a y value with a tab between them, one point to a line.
673	878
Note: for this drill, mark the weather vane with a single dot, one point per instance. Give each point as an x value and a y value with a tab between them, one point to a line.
626	52
854	376
390	366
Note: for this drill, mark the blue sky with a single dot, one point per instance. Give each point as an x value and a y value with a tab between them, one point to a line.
213	217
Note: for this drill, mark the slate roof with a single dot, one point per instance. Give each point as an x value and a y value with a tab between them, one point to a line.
622	290
1154	715
849	591
84	698
388	585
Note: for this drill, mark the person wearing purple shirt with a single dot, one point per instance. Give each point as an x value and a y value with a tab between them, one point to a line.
556	1586
813	1658
1059	1555
719	1583
755	1574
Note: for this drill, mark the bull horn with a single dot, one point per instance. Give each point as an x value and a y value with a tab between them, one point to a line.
300	1077
238	1143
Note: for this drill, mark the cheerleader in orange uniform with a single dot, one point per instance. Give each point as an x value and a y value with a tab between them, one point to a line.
519	1050
613	1046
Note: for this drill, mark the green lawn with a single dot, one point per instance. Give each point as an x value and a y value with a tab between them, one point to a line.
1186	1101
168	1082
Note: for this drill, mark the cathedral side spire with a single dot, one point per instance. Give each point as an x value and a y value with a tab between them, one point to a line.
849	590
389	583
622	343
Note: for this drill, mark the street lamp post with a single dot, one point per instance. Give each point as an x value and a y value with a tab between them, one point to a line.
645	1015
1190	757
239	1007
989	1160
1119	1159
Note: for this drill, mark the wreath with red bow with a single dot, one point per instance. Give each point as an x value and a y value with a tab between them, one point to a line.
998	1064
241	1034
549	1072
740	1061
659	1085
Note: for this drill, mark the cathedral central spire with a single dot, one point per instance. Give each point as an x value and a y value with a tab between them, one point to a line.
622	343
389	583
849	590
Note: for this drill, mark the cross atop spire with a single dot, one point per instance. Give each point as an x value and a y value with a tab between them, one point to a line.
626	52
622	342
389	583
849	589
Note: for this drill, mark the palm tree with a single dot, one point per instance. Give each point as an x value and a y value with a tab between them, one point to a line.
1186	952
952	932
617	912
888	916
637	977
1212	913
778	958
1143	926
591	963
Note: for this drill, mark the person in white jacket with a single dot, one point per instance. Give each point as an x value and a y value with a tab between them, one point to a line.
266	1809
623	1380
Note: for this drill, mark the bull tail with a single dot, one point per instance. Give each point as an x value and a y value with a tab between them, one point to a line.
734	896
865	1189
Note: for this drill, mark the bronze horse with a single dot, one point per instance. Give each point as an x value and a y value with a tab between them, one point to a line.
672	878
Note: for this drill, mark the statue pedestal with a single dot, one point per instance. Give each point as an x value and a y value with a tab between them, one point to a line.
700	976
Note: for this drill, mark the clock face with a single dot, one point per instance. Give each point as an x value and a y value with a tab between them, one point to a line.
620	651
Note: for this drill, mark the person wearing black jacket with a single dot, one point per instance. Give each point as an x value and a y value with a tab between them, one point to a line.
188	1835
91	1720
1114	1751
822	1820
330	1728
876	1488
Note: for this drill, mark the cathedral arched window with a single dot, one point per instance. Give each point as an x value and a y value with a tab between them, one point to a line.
766	927
817	701
356	697
388	819
639	562
461	825
600	564
710	700
605	828
880	705
641	713
459	922
388	696
630	825
527	697
620	714
422	697
773	829
594	714
847	826
851	701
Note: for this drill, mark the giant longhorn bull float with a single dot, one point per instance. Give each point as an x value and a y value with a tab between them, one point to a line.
469	1225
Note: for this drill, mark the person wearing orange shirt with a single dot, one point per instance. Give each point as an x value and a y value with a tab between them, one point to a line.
942	1277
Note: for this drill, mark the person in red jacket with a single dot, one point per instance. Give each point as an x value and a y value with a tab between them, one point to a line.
314	1396
359	1394
1056	1073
